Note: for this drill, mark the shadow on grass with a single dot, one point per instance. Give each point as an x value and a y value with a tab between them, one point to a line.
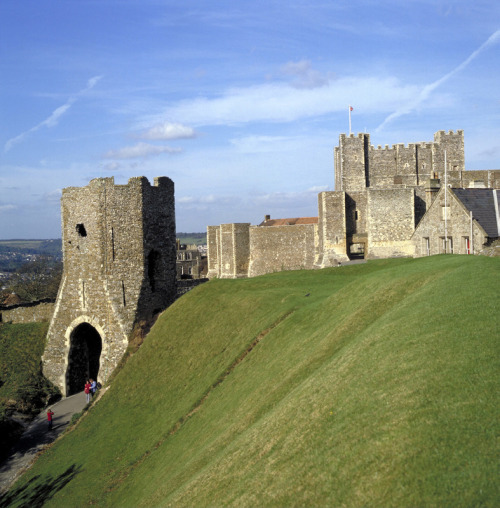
38	490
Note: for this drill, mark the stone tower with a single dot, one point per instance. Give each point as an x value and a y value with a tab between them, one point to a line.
119	268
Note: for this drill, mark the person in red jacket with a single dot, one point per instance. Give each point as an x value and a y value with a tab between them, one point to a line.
50	414
87	390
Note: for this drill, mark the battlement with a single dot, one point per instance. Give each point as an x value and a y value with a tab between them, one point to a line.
442	135
360	165
135	181
400	146
439	136
360	135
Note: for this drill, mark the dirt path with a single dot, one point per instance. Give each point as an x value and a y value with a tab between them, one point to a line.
36	436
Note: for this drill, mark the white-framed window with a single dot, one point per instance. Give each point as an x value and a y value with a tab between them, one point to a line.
445	212
426	246
446	245
466	245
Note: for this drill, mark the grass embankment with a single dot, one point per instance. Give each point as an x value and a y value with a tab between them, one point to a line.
367	385
22	385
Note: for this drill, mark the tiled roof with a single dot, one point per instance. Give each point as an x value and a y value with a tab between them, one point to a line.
289	222
481	202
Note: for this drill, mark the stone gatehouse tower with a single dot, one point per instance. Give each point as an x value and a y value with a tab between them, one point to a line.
119	268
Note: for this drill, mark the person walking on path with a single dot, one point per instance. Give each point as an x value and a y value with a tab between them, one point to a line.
93	386
35	438
87	390
50	414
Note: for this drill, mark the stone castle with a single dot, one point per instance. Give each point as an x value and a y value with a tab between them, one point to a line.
119	255
381	196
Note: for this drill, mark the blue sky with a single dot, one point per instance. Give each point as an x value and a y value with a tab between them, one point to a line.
239	102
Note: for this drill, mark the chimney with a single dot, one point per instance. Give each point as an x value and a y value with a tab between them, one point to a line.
267	217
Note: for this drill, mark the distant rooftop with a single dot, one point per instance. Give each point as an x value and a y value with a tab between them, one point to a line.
288	222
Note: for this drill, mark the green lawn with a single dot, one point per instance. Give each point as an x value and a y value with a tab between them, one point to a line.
21	349
22	385
365	385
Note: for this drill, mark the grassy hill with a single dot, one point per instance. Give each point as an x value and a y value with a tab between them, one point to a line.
22	386
365	385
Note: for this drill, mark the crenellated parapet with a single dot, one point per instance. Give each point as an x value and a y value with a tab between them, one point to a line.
360	165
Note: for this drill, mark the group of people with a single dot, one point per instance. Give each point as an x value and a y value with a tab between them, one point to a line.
90	388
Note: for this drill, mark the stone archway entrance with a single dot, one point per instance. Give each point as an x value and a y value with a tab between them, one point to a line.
83	358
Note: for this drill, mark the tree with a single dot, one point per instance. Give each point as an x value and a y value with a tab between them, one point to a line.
37	279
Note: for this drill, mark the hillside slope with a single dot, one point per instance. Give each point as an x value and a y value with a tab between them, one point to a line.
372	384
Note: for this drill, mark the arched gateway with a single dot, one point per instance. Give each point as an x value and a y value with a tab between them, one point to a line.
119	255
83	357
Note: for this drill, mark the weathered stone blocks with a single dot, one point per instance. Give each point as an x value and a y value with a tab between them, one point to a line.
119	255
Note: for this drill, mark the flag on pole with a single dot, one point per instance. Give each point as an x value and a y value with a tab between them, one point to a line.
350	108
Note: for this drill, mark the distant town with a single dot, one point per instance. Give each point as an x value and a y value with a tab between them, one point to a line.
18	254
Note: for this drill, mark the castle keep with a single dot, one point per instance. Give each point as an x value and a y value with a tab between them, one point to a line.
381	195
119	269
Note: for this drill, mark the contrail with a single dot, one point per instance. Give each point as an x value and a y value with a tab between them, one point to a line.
53	119
428	89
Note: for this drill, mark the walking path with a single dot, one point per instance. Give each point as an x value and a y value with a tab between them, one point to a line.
36	436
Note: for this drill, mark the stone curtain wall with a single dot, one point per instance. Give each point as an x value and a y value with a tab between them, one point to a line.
35	312
390	223
332	243
489	178
213	254
233	250
119	266
278	248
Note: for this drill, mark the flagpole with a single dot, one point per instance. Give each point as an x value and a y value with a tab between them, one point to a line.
350	109
445	207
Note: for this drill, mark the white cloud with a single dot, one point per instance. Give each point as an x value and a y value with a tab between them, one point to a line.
139	150
167	131
278	102
318	188
7	208
304	75
111	166
53	119
426	91
254	144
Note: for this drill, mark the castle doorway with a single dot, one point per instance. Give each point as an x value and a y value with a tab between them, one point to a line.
83	358
357	250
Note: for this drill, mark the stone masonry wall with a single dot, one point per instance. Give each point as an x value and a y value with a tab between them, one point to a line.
359	165
278	248
351	162
489	178
27	313
119	266
332	245
234	250
213	254
390	223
